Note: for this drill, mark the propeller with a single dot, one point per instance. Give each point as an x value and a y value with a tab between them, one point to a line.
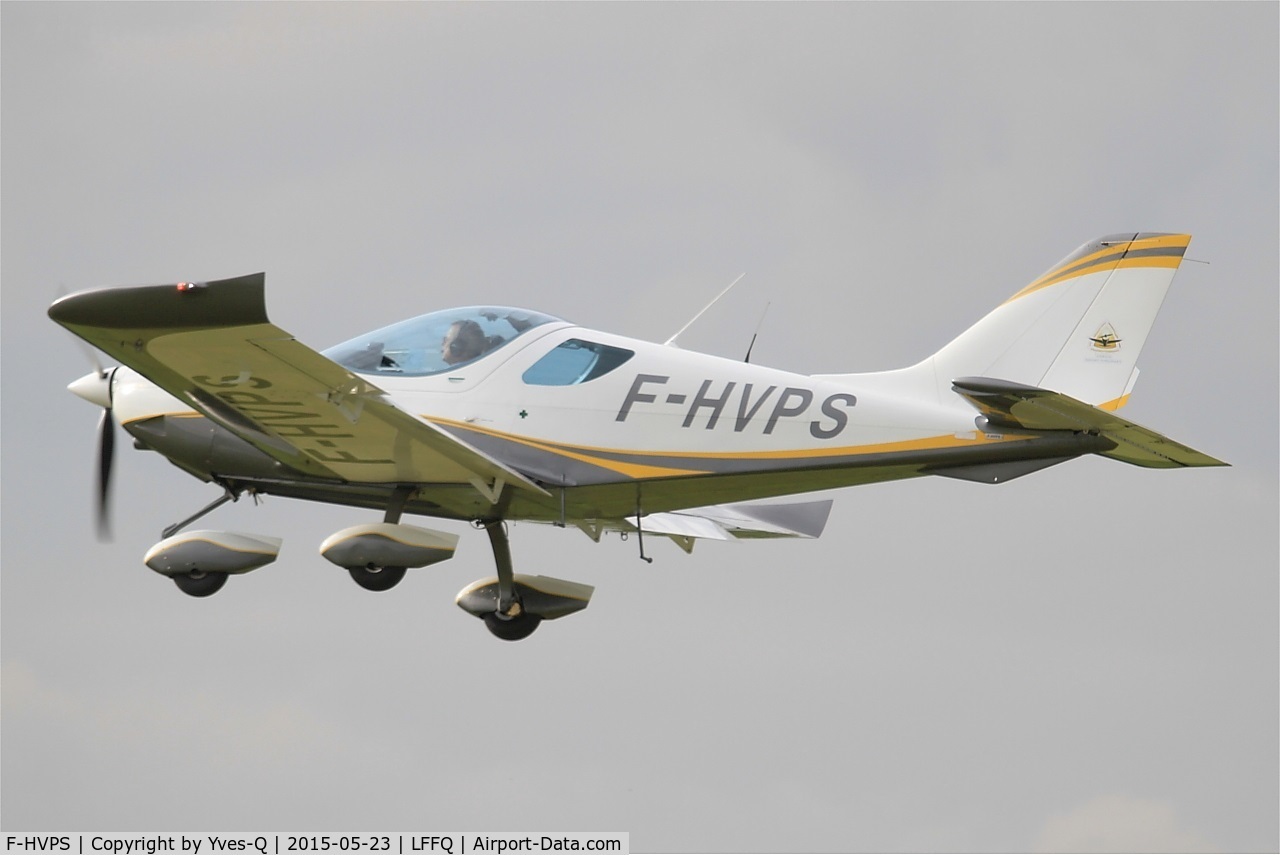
95	388
106	454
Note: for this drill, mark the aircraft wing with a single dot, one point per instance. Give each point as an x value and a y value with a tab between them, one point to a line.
212	346
1013	405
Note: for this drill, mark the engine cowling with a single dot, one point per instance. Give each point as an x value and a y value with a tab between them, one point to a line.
388	545
207	551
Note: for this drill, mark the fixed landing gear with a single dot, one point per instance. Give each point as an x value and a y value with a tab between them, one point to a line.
375	578
508	621
199	562
513	606
511	628
198	583
377	554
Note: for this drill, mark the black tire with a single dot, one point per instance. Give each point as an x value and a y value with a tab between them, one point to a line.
200	584
377	578
512	629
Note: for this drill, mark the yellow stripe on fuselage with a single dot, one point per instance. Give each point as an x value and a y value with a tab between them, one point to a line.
185	414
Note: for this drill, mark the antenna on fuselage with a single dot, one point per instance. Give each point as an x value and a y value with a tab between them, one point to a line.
747	358
671	342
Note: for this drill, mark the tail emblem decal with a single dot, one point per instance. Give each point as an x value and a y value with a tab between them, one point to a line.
1105	339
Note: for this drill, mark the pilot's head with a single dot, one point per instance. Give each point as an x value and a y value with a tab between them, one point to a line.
463	342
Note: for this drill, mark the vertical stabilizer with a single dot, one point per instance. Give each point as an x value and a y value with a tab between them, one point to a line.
1078	329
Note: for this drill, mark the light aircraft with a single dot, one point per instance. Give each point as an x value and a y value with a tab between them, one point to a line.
492	414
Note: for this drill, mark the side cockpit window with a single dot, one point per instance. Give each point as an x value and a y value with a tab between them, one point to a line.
575	361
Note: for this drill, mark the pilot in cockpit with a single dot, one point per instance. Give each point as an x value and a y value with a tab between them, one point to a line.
466	340
436	342
463	342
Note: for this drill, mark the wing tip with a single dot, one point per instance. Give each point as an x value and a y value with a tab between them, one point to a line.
222	302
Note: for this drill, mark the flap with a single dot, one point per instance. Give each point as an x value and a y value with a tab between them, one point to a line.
211	345
790	519
682	524
725	522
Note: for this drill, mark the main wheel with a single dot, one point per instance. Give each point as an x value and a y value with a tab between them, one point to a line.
198	583
375	578
512	629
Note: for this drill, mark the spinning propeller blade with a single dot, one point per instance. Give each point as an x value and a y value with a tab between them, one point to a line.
106	454
96	389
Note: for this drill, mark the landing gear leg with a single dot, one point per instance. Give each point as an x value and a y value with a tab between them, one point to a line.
399	498
229	496
510	622
512	606
373	577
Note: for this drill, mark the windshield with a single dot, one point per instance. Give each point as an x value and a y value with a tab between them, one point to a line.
434	343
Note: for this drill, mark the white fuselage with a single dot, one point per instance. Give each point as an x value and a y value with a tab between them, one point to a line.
663	412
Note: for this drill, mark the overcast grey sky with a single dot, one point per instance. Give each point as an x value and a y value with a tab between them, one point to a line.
1085	658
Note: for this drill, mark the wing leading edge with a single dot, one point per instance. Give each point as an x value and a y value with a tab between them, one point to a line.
211	345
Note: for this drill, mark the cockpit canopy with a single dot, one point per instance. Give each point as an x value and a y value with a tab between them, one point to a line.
435	343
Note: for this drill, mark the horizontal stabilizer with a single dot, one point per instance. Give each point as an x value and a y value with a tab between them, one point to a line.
1013	405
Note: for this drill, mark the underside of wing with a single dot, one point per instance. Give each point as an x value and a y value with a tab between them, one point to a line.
1013	405
212	346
